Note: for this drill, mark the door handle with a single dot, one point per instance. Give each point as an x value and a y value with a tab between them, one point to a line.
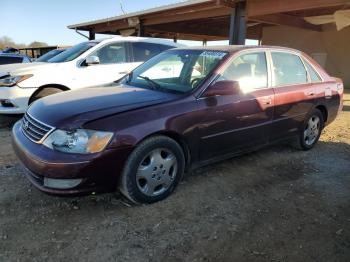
312	93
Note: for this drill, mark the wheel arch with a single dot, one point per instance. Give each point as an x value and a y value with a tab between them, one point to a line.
324	112
178	139
58	86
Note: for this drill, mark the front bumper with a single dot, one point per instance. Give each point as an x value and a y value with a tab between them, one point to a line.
99	172
17	96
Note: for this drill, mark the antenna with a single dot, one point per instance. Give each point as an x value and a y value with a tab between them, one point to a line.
121	7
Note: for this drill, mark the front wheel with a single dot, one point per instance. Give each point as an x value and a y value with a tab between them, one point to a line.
152	170
311	130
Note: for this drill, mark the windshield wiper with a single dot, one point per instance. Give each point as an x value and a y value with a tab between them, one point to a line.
154	84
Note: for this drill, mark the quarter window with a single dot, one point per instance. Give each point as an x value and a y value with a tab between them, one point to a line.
314	76
288	69
111	54
250	70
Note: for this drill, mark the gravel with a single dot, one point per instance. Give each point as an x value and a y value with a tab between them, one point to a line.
277	204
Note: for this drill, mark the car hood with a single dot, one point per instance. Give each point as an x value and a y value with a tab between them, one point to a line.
72	109
24	68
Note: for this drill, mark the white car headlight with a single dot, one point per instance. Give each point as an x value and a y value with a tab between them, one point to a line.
13	80
80	141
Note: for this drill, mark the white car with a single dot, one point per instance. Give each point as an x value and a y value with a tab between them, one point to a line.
88	64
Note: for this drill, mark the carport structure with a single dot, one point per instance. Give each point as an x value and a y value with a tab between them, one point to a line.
303	24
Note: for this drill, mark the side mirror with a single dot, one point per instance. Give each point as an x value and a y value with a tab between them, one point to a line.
223	88
92	60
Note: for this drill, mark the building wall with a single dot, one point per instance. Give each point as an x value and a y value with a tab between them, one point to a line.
331	48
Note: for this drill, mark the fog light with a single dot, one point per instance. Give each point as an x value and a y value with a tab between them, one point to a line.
61	183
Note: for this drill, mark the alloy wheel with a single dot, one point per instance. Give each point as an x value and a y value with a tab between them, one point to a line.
156	172
312	130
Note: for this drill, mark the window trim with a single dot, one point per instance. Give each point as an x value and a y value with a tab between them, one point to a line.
247	52
229	60
312	66
273	72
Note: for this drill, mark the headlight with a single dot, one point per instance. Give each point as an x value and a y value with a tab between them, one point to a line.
80	141
13	80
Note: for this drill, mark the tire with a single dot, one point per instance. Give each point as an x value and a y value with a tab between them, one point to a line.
310	131
153	170
44	92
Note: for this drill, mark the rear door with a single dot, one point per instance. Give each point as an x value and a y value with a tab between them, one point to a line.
142	51
234	123
294	94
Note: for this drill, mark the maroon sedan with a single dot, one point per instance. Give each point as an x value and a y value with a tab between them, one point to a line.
182	109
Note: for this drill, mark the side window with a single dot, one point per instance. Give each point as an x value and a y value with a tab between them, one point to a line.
250	70
111	54
143	51
314	76
288	69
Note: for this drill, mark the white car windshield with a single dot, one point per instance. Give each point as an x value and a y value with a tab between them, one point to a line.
72	52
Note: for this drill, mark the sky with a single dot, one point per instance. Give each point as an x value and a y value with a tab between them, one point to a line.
25	21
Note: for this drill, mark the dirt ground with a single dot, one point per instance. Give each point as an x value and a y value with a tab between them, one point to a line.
277	204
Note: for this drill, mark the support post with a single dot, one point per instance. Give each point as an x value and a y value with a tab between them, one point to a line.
91	35
238	24
141	30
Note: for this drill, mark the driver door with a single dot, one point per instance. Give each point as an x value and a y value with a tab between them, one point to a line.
234	123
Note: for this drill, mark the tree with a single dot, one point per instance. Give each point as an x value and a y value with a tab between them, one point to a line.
37	44
6	41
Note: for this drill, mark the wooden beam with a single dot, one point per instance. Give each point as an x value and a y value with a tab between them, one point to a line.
288	20
214	12
200	33
111	26
259	7
228	3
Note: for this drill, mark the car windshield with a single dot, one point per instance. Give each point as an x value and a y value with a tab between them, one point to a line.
49	55
72	52
178	71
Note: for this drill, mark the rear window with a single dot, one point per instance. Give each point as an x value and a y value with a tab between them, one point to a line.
10	60
288	69
143	51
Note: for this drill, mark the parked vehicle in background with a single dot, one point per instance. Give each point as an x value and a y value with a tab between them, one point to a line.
143	133
46	57
93	63
12	58
9	50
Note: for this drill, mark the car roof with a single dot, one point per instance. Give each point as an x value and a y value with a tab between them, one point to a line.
236	48
138	39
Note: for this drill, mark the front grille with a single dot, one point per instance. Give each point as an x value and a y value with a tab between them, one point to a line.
34	129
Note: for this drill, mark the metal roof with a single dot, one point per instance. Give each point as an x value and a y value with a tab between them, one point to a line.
142	12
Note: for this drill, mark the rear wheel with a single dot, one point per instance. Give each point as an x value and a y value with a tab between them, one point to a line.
44	92
311	130
153	170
